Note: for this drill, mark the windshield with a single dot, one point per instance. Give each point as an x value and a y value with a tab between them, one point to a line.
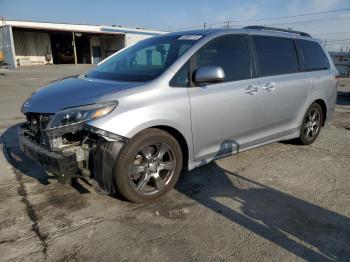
143	61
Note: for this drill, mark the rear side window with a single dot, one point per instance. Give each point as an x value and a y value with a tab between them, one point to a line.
314	56
276	56
229	52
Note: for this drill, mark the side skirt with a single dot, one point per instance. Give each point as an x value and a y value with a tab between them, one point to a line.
287	135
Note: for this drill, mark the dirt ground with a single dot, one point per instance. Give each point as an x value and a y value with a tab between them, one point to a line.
280	202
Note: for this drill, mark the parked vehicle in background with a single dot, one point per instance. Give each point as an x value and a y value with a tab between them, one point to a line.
178	101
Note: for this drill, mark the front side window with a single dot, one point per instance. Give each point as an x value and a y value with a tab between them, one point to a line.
276	56
314	56
143	61
182	77
229	52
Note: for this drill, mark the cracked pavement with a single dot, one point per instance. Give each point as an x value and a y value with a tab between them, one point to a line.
277	202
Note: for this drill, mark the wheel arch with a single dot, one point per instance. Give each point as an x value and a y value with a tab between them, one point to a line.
180	138
182	133
323	105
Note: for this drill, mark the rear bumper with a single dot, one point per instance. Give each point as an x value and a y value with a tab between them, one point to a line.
63	165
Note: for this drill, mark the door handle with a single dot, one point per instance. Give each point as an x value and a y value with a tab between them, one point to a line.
270	86
252	89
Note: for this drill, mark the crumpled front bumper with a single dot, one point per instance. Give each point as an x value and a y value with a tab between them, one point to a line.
97	162
63	165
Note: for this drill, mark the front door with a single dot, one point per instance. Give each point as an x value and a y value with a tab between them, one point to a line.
224	115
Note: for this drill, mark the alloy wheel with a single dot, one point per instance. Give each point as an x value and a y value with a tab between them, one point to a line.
312	124
152	168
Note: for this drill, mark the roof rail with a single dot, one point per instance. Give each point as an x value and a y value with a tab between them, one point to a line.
257	27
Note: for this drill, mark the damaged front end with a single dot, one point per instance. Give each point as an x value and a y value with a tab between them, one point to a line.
71	150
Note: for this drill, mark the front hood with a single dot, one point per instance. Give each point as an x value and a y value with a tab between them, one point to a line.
72	92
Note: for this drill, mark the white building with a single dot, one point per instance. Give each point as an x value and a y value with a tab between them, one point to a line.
342	62
37	43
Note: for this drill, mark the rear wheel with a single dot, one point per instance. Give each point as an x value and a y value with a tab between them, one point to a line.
311	125
149	166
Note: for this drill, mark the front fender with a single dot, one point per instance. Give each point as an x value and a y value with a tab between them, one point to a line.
131	122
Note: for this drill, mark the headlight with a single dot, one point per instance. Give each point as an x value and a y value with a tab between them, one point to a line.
81	114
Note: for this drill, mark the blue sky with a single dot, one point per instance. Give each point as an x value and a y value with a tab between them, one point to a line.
178	14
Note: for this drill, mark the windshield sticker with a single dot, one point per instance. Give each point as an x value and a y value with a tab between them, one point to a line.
190	37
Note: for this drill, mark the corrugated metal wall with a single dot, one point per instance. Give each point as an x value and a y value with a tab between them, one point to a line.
33	46
6	45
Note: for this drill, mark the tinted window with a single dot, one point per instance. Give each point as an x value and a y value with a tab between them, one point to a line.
314	57
143	61
181	78
276	55
229	52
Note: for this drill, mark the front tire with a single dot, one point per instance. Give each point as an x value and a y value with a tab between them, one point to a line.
148	166
311	126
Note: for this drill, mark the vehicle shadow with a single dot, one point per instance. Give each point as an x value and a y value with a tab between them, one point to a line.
309	231
20	162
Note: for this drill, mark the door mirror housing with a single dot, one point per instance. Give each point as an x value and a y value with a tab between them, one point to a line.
209	74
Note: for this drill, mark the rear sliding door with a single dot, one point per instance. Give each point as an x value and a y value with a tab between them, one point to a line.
284	88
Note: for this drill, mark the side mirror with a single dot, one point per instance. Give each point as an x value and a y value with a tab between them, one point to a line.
209	74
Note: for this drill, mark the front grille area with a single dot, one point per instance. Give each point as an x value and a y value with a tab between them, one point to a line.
36	123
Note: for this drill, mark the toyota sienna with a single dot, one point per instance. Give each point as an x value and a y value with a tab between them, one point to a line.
174	102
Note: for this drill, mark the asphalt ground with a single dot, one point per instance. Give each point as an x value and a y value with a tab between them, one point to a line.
280	202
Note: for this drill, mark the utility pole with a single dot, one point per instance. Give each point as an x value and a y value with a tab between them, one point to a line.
227	24
75	50
204	25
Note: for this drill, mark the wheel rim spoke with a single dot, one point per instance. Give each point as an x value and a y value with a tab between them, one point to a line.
308	132
135	169
162	151
311	132
313	115
142	182
309	116
146	152
158	182
169	165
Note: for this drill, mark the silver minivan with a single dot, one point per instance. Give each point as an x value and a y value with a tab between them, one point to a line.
174	102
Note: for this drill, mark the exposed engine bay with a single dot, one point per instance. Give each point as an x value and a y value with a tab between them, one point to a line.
71	151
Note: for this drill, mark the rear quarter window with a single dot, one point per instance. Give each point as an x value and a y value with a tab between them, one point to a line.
276	56
313	55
